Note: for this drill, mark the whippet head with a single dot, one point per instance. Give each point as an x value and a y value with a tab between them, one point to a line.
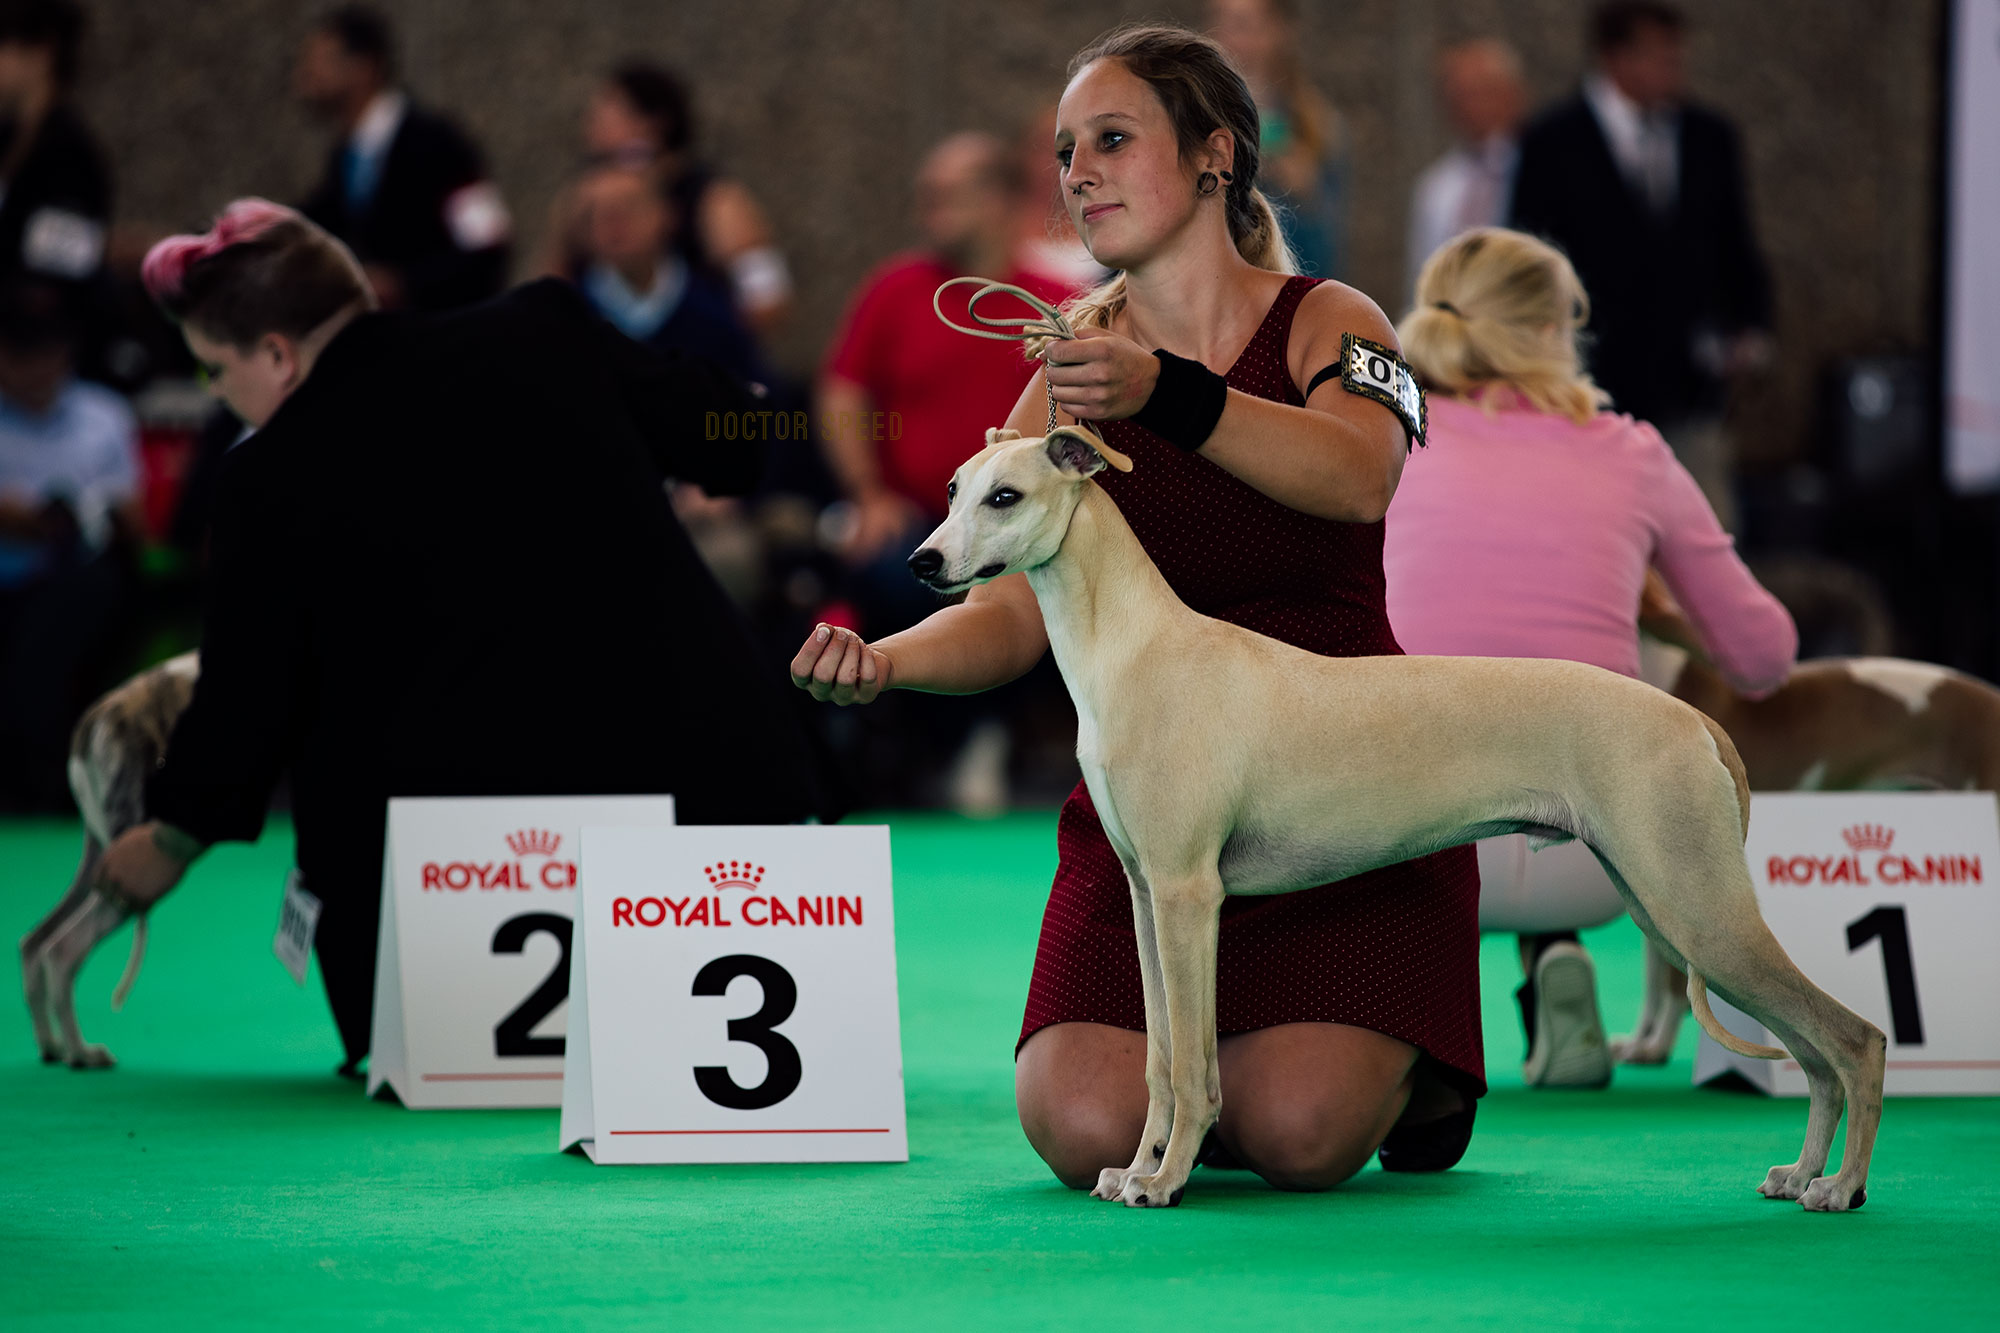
1010	506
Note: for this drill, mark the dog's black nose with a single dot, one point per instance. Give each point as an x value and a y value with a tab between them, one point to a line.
926	563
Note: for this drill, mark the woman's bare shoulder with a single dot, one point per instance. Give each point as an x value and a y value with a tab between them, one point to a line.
1333	307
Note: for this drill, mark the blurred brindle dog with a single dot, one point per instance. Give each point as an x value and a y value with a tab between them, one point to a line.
116	745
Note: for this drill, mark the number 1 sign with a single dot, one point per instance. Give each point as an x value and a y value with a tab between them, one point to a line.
1890	901
734	998
472	962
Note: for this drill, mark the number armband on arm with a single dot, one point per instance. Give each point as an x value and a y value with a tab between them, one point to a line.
1374	371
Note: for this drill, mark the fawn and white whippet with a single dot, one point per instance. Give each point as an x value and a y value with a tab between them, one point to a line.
1222	761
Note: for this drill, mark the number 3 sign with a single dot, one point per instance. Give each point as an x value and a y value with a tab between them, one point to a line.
733	998
1891	902
472	962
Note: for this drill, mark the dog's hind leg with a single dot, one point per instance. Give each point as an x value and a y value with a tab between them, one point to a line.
1187	912
1696	893
1159	1083
34	975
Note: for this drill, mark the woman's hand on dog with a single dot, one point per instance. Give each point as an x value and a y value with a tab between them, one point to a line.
837	666
1100	375
141	866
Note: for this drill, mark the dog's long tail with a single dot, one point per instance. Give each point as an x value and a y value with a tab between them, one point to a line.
138	955
1729	1041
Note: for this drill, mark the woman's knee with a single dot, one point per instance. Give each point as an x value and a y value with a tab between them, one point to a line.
1305	1105
1303	1148
1081	1096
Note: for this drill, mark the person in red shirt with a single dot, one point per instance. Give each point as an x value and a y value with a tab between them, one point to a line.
937	390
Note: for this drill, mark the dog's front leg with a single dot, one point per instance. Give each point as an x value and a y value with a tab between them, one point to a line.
1187	922
62	958
34	946
1159	1061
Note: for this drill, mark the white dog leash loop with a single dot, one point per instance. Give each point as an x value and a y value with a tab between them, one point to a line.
1047	322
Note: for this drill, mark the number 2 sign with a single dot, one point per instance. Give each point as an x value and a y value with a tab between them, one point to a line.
1890	901
733	998
473	960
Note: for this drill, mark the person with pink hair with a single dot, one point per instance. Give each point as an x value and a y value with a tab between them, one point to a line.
444	563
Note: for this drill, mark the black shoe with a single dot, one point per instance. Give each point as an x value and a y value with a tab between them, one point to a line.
1434	1145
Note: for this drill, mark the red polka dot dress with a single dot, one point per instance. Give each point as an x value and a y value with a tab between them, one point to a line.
1395	950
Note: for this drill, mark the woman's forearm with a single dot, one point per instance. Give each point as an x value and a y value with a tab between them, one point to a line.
976	645
1307	460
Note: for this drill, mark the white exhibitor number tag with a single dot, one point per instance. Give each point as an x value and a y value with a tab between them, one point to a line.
298	919
734	998
1890	902
473	958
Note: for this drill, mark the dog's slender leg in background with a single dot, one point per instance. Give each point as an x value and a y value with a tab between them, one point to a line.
34	976
1660	1015
62	958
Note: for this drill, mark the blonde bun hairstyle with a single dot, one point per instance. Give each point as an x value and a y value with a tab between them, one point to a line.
1498	307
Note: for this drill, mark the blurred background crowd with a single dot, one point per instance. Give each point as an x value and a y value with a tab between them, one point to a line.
781	186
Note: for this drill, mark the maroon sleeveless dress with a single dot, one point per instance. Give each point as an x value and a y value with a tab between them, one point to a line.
1395	950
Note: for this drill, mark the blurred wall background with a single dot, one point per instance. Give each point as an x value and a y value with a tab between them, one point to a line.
824	109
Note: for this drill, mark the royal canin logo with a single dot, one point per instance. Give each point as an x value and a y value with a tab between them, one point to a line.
1868	837
761	908
1883	867
734	875
487	876
534	842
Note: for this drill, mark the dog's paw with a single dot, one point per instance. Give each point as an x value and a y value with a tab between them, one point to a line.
1785	1182
91	1056
1154	1191
1111	1183
1829	1195
1636	1050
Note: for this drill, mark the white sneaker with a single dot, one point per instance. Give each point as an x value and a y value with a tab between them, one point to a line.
1567	1048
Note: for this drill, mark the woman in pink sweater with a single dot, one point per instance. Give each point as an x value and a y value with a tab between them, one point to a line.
1526	529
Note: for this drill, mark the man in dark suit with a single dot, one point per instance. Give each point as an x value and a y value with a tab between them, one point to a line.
1645	193
404	187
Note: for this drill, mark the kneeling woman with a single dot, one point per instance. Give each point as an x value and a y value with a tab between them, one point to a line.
1347	1011
444	564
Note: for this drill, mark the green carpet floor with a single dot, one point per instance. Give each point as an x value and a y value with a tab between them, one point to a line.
220	1177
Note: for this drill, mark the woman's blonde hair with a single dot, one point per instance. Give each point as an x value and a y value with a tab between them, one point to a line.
1498	307
1202	93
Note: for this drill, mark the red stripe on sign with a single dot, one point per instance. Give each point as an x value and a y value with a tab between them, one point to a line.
1927	1064
749	1131
489	1078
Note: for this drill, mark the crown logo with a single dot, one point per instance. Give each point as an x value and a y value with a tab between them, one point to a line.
534	842
734	874
1868	837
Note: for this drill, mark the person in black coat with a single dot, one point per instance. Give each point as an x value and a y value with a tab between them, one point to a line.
404	187
1644	191
445	564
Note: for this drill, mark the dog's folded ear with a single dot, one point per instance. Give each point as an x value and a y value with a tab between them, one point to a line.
1076	451
996	435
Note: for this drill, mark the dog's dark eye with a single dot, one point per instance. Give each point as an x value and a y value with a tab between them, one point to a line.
950	492
1003	497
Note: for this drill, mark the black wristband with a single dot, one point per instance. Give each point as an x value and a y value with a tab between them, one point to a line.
1187	401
